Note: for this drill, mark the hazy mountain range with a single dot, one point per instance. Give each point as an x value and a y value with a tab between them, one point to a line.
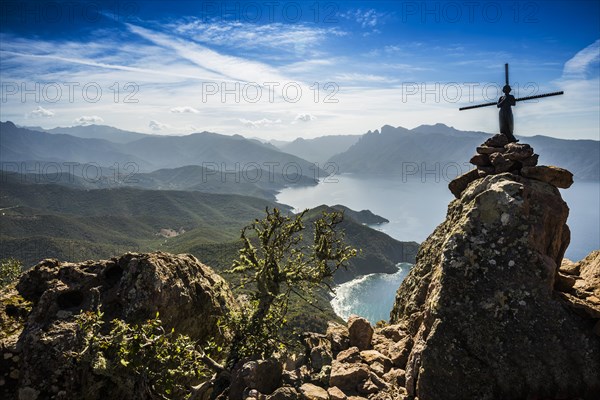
94	132
270	166
430	147
318	150
150	152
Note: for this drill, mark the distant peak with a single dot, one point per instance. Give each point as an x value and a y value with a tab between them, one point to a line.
439	127
390	129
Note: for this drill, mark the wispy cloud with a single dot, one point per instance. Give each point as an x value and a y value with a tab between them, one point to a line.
309	65
231	67
579	65
184	109
303	118
259	123
357	77
369	18
88	120
41	112
158	126
288	38
140	60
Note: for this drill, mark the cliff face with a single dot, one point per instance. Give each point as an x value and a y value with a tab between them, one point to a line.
481	305
38	316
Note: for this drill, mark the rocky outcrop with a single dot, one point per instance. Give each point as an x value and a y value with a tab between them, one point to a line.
496	156
452	360
578	284
43	306
481	308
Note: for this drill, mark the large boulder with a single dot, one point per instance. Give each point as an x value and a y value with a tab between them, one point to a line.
459	184
480	303
188	296
556	176
348	376
360	332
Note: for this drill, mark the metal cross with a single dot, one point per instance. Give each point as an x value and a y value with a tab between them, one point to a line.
505	103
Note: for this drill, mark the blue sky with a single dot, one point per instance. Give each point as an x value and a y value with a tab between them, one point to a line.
279	70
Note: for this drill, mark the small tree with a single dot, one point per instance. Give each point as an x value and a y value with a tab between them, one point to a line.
10	269
280	264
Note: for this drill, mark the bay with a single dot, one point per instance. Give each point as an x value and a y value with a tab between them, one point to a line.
370	296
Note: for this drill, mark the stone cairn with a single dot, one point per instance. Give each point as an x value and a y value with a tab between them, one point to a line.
497	155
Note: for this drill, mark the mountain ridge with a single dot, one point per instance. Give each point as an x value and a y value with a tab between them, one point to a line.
149	153
436	147
389	150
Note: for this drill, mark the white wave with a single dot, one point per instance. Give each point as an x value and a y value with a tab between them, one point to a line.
370	296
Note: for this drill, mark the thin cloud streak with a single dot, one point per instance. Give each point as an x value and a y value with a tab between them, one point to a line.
110	66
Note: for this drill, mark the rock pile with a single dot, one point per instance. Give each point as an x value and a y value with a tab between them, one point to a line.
496	156
349	362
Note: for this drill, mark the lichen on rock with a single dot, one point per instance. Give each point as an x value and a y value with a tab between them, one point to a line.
480	303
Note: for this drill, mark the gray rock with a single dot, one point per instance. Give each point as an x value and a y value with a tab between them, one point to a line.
459	184
339	337
480	303
348	377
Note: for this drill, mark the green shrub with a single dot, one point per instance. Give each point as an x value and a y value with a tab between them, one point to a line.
144	358
10	269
